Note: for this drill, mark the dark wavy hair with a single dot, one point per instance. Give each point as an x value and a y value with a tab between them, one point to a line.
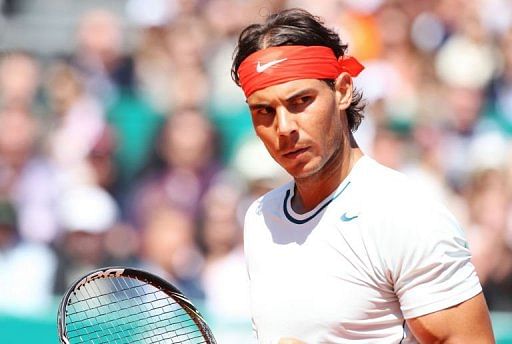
294	27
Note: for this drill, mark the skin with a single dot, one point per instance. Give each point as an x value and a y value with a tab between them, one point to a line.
304	127
290	341
467	322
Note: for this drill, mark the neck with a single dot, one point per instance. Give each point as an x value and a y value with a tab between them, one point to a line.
312	190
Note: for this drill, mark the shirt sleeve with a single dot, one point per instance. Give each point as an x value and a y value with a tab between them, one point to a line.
431	262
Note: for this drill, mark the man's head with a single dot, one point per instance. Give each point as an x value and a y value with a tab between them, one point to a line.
294	27
297	80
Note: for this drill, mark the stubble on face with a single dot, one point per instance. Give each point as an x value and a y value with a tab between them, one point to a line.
331	151
331	162
319	126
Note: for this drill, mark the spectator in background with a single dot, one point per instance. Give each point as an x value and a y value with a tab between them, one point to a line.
389	147
172	38
136	114
488	198
187	41
26	269
168	249
79	121
153	64
19	80
135	126
86	214
101	160
226	104
464	106
499	107
465	64
27	177
221	239
99	58
183	169
425	166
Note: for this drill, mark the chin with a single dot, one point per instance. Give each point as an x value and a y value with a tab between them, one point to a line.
304	175
305	171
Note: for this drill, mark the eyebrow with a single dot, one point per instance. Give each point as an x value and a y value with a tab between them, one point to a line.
300	93
258	106
288	99
295	95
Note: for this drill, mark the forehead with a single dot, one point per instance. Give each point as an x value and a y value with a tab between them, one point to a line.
286	90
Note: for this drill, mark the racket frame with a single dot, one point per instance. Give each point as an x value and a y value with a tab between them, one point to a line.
141	275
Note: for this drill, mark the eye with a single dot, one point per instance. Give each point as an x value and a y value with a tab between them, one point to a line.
302	100
264	111
300	103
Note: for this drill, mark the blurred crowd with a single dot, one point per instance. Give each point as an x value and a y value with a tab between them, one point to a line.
144	155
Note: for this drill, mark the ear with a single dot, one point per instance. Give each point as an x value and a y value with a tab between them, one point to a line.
344	89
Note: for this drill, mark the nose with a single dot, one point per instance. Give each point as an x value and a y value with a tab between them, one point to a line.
286	122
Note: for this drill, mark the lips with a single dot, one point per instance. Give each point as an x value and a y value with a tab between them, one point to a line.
295	152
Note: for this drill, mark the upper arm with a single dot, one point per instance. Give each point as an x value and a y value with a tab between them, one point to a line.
431	267
467	322
435	281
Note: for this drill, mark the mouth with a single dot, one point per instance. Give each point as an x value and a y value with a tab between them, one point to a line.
292	154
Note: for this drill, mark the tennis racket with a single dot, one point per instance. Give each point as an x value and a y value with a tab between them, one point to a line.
124	305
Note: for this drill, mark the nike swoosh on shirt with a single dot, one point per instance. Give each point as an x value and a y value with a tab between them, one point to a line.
346	218
260	68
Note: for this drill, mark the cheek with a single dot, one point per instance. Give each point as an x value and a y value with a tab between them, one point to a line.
328	126
336	128
266	135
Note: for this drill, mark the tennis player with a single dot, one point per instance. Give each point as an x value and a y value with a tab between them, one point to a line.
349	250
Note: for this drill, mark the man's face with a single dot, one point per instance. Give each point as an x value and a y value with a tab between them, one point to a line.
300	124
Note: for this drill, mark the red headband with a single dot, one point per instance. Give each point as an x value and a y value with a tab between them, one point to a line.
276	65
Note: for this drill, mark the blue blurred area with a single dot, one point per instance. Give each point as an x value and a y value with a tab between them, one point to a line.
42	329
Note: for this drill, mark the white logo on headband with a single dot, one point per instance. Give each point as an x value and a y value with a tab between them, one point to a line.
260	68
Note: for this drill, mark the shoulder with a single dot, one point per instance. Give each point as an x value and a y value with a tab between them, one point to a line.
400	213
382	179
388	191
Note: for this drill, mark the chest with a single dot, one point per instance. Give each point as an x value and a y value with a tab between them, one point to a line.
325	275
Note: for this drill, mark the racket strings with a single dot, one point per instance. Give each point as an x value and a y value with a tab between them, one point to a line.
132	331
125	310
100	294
119	309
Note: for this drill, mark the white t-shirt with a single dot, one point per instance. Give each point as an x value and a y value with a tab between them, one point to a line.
372	254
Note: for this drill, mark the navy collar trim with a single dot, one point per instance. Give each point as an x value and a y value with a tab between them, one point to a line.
302	221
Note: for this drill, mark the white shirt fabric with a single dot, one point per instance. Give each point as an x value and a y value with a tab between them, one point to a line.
372	254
